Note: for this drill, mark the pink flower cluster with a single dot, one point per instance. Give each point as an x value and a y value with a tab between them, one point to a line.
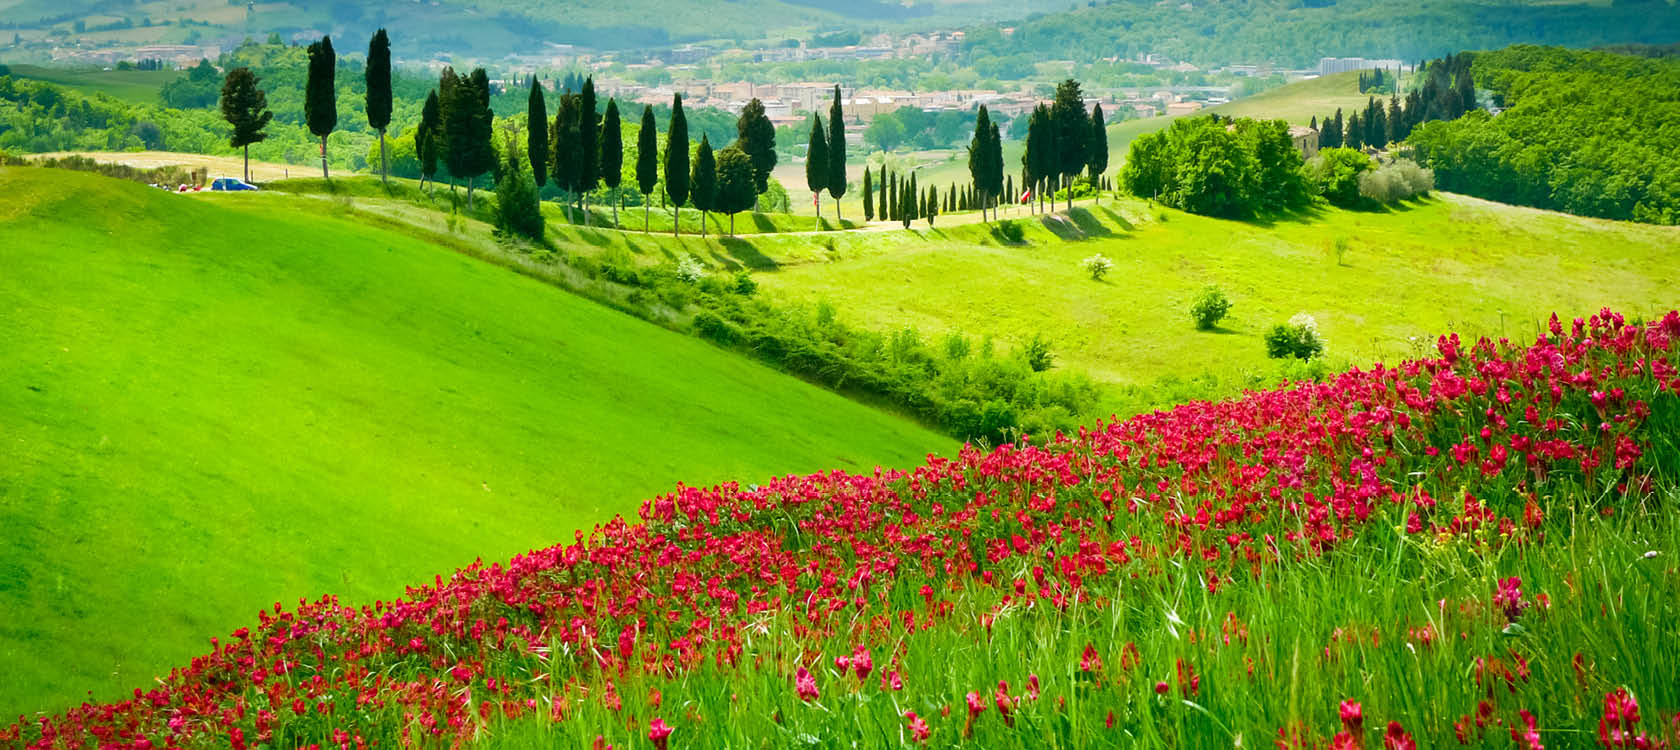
1463	447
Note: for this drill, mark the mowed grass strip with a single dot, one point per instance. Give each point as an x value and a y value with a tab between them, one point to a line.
212	403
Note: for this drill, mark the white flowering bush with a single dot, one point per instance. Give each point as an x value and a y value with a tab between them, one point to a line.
690	269
1097	265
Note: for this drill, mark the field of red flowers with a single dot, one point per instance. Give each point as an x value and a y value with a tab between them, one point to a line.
1473	549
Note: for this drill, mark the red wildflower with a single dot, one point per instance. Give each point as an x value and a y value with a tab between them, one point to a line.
1090	661
918	727
805	685
1509	598
1396	738
658	731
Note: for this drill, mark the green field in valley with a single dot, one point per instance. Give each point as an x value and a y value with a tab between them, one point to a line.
134	86
218	402
1446	262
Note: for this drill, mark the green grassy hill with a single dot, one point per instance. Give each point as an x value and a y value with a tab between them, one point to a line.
1301	101
212	403
1445	262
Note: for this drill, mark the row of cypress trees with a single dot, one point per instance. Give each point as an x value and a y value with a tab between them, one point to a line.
825	156
1063	141
581	152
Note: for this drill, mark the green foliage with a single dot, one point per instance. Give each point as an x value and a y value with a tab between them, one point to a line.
518	211
1035	351
1588	133
735	189
1334	174
1210	307
756	135
1201	166
1297	34
245	107
196	90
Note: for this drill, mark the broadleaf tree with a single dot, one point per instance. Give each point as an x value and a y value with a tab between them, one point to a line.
245	107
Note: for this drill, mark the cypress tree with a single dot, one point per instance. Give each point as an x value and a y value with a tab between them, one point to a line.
320	97
1396	120
245	107
881	210
612	154
1096	155
1009	190
980	155
993	169
676	162
426	137
757	136
1044	153
563	147
1071	126
932	204
905	215
868	196
816	165
647	162
379	93
704	185
1354	137
456	130
481	156
892	202
836	153
536	133
1338	132
589	146
911	195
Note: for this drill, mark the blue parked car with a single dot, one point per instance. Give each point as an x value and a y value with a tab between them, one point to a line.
230	183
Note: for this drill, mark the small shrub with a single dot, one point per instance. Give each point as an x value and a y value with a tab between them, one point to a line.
690	269
1335	173
714	328
1097	265
744	284
1209	308
1010	230
1339	250
1036	352
676	296
1299	338
1396	182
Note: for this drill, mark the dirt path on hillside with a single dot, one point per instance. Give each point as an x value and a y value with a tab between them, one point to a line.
219	166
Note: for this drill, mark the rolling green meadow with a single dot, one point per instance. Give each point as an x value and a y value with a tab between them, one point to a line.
350	463
1445	262
133	86
216	403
